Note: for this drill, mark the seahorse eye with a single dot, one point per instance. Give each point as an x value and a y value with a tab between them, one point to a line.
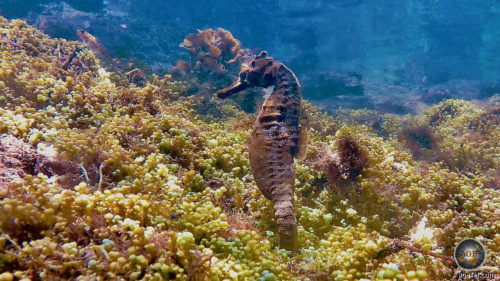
253	63
269	63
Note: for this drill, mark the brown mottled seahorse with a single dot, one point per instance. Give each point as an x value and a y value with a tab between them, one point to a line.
276	139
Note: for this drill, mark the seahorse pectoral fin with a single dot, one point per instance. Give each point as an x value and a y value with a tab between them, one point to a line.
302	147
233	89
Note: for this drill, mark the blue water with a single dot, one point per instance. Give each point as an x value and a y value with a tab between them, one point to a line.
350	52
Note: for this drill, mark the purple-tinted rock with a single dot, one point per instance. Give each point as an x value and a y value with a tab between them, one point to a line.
436	94
489	88
19	159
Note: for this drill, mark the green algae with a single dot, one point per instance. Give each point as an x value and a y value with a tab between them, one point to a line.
168	193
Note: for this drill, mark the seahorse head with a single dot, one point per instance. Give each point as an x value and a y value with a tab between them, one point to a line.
260	72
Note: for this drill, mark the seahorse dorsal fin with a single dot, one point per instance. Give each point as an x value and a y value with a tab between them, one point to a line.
301	153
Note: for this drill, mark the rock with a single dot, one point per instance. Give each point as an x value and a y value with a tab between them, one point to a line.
436	94
19	159
489	88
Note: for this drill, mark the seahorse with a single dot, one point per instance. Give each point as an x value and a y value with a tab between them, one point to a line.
276	140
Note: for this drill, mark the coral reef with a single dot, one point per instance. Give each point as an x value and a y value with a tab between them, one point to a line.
165	192
276	138
212	53
216	58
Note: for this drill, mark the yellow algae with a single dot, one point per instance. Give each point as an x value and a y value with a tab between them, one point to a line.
164	193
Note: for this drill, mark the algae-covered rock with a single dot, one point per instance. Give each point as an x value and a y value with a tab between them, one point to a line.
162	191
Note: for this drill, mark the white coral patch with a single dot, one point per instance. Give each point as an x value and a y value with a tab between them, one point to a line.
46	150
103	73
422	234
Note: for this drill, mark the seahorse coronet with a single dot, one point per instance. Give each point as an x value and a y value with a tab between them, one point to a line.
276	138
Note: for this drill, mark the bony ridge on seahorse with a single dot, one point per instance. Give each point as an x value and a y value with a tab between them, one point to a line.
276	140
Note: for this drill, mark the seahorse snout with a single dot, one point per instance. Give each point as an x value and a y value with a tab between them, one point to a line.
238	86
276	140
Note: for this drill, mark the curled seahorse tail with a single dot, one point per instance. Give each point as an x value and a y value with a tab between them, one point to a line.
284	213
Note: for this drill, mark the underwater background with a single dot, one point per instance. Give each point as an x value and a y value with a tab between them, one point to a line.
119	162
370	52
